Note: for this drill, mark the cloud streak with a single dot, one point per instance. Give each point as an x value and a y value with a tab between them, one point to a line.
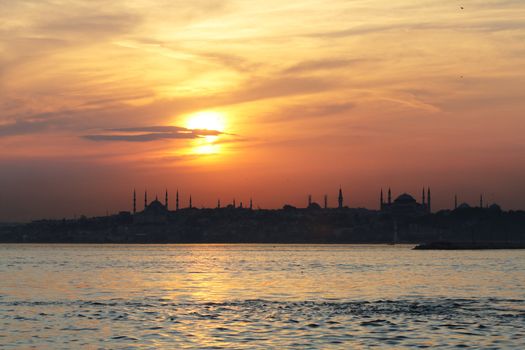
318	65
151	133
485	26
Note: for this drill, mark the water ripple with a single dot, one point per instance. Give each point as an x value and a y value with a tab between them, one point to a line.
266	323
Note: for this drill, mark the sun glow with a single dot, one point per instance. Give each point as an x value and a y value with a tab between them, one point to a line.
206	120
206	149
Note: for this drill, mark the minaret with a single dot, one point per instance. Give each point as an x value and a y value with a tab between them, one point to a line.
423	196
340	198
326	201
145	199
218	204
481	200
240	205
251	204
455	201
177	200
429	208
389	196
309	200
166	199
191	206
234	204
381	201
134	201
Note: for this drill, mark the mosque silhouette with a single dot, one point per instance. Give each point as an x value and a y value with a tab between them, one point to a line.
403	206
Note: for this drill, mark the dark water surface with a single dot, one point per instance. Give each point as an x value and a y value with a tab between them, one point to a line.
259	296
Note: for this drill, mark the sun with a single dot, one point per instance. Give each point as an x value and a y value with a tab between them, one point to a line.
206	120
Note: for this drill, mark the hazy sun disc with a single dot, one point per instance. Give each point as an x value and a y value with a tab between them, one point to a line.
206	120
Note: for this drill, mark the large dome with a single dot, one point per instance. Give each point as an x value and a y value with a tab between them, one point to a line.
405	198
156	205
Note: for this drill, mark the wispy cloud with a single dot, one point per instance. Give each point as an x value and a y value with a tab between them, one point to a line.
23	127
325	64
151	133
473	26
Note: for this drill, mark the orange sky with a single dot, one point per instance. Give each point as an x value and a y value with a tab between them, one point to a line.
99	97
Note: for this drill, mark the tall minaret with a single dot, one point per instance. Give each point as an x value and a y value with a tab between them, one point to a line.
251	204
389	196
234	204
381	201
166	199
455	201
481	200
429	208
340	198
326	201
423	196
219	203
177	200
191	206
309	200
145	199
134	201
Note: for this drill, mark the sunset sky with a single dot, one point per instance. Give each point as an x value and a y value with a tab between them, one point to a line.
272	100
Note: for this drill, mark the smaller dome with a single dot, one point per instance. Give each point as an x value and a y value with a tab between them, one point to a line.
314	205
405	198
495	207
463	206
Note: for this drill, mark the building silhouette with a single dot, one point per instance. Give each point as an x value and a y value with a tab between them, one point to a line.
134	201
406	205
153	213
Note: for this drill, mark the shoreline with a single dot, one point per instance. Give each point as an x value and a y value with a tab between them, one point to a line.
443	245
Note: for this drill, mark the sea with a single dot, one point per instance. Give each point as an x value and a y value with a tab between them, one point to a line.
250	296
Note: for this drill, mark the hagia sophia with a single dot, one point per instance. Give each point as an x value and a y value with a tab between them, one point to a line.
405	204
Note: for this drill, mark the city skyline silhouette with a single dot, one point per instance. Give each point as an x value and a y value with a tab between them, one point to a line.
232	100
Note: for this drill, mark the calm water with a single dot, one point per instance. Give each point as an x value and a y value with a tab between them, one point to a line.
259	296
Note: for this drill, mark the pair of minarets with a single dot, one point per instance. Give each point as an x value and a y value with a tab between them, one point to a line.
456	201
340	199
382	201
428	203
